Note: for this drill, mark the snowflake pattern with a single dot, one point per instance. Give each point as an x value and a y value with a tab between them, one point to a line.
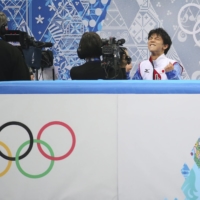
39	19
169	12
52	7
66	17
158	4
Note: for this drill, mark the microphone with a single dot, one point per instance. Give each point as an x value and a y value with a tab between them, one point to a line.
121	41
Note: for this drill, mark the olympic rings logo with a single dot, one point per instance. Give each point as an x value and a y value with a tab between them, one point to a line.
30	142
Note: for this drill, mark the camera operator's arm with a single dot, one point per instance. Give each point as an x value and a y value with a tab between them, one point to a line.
124	64
128	69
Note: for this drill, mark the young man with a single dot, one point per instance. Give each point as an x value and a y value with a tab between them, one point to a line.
158	67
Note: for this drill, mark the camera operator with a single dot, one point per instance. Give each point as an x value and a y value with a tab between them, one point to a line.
12	63
90	49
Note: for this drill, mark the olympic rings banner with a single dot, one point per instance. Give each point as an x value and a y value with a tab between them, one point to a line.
30	142
53	147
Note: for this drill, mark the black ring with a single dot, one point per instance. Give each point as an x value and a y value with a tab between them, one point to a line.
30	135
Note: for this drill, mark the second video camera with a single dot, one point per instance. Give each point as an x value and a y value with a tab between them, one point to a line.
112	52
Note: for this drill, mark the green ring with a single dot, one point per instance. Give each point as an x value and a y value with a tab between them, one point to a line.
30	175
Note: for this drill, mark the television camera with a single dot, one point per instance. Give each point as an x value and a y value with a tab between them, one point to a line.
112	52
35	56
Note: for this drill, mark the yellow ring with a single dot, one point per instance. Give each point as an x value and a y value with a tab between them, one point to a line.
9	161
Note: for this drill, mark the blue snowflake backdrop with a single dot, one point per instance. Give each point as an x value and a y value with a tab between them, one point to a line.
59	22
63	22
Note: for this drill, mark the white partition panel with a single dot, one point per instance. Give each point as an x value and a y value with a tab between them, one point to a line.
80	130
156	136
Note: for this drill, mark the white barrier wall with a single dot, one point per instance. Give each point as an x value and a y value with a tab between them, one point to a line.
97	140
90	170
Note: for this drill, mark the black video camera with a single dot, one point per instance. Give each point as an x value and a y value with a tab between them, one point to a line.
35	57
112	52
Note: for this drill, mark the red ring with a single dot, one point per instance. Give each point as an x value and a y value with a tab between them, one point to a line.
73	140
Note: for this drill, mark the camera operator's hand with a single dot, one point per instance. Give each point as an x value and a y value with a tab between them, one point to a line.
123	61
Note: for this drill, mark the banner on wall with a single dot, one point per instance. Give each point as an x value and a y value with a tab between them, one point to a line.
64	151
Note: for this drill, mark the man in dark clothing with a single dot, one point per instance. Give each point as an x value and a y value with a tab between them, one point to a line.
12	63
90	50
